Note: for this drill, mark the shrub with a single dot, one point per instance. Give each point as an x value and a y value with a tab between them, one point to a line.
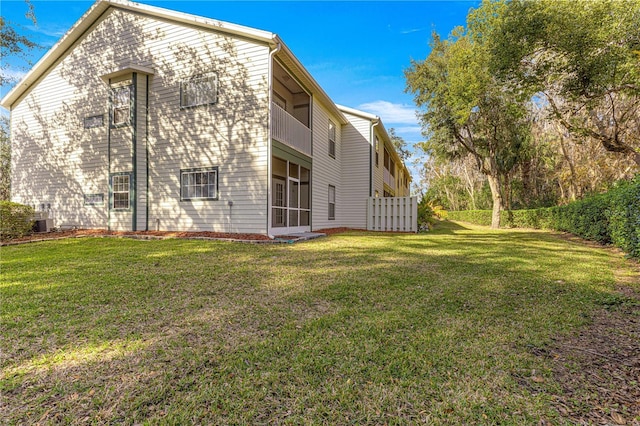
624	216
16	220
609	218
479	217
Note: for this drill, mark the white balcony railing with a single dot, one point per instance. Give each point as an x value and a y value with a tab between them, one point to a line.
288	130
389	179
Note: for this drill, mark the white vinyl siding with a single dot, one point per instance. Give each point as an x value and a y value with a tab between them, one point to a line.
326	170
57	160
357	156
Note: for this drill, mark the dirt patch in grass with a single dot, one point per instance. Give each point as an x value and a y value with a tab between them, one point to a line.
599	368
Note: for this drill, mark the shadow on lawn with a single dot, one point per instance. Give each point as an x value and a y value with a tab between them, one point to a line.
164	324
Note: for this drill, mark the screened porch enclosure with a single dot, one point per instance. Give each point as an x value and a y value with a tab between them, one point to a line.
291	197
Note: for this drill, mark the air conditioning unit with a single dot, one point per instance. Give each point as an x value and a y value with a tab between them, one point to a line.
43	225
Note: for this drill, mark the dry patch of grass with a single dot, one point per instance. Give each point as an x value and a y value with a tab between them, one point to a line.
355	328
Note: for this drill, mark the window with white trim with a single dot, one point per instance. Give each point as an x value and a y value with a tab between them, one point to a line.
120	191
332	139
199	184
201	90
121	105
332	202
377	147
93	199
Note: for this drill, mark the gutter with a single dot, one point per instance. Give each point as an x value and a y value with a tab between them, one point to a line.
371	148
272	53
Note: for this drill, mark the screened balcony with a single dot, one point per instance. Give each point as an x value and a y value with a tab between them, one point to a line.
290	111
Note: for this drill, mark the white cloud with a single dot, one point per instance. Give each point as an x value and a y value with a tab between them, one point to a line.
412	30
55	31
13	75
408	129
391	113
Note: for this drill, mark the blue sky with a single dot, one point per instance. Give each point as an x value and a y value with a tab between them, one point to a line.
357	51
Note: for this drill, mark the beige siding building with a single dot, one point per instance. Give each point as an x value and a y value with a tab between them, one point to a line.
142	118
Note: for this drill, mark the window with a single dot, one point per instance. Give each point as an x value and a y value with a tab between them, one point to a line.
332	139
121	105
199	184
332	202
93	121
121	190
377	148
93	199
202	90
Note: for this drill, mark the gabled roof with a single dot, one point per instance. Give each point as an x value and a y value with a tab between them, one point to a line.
101	6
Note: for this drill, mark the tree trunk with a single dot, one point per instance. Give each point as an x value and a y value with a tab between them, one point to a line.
494	185
572	182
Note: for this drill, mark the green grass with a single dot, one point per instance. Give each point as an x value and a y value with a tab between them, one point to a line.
352	329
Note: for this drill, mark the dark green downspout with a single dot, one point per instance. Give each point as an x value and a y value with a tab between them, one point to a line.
134	140
146	148
110	118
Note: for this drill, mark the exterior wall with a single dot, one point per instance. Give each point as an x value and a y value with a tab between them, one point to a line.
56	160
326	170
357	163
378	172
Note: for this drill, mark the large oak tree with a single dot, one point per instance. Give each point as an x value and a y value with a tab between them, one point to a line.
465	109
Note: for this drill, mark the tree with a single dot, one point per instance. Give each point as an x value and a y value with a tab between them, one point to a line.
12	44
582	58
400	145
5	160
466	110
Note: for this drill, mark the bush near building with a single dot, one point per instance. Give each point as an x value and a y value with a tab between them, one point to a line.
16	220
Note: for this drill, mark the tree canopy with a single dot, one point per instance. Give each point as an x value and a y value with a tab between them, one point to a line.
583	57
466	110
535	92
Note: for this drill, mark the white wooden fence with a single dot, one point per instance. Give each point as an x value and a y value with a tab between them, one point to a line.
392	214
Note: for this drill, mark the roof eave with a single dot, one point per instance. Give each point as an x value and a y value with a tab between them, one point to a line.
94	13
316	89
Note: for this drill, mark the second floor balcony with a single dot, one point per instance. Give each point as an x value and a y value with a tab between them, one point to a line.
287	129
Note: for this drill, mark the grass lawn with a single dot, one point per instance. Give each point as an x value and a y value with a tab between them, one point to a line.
357	328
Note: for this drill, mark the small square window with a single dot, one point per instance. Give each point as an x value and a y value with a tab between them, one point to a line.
202	90
93	199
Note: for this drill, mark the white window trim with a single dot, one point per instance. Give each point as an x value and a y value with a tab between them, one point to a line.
112	203
199	98
115	106
332	214
201	170
332	139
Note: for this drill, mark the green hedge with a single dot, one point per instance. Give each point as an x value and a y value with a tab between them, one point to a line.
16	220
610	218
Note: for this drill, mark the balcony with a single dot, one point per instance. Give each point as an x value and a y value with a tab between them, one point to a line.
389	179
287	129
